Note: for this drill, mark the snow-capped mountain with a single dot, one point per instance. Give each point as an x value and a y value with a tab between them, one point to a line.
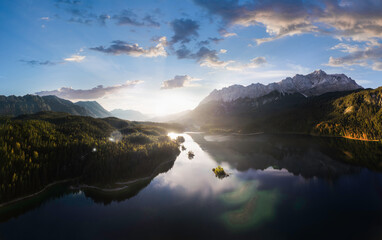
313	84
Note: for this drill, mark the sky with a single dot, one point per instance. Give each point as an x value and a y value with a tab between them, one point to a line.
164	56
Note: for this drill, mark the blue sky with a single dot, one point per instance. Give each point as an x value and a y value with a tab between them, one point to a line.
165	56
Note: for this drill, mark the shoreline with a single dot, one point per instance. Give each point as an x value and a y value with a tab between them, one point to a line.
305	134
126	184
36	193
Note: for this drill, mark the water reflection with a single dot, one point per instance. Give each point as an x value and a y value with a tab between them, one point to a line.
194	177
280	187
300	155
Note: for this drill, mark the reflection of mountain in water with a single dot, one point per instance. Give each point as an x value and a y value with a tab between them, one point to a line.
301	155
121	192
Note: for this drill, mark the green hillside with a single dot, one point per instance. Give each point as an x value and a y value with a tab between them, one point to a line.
46	147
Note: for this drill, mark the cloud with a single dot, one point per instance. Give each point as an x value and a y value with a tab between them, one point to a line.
40	63
347	48
103	18
377	66
204	56
216	40
224	33
127	17
45	18
120	47
184	30
94	93
178	82
254	63
370	56
356	20
346	20
79	12
150	21
209	58
75	58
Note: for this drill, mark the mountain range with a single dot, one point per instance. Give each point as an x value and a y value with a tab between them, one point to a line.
315	104
29	104
313	84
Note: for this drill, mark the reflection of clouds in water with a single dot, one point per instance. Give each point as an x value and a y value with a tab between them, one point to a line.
195	177
260	207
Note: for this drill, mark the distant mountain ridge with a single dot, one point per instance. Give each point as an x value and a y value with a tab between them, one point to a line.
94	108
29	104
313	84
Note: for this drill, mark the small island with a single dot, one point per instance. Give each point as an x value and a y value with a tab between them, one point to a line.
219	172
191	155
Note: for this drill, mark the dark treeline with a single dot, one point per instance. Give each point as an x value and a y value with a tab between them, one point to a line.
38	149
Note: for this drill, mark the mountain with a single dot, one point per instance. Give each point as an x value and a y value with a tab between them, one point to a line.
352	112
94	108
29	104
129	115
313	84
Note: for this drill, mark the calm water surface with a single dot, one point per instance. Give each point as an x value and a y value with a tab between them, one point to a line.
280	187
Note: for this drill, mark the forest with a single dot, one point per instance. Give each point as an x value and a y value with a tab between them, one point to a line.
353	114
46	147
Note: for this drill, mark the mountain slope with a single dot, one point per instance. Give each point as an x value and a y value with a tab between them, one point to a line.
14	106
94	108
29	104
350	114
313	84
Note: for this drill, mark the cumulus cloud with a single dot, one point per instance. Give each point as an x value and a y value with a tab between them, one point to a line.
178	81
347	48
254	63
210	58
368	56
357	20
94	93
346	20
204	56
280	18
120	47
377	66
184	30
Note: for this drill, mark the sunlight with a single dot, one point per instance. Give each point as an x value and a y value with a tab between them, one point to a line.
173	135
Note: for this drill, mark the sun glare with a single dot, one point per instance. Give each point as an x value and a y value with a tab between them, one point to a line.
172	135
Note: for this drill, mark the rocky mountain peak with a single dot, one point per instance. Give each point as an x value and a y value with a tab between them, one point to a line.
312	84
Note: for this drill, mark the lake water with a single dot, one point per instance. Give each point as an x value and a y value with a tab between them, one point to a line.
280	187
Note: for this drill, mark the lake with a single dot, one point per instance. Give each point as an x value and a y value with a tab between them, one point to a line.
280	187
